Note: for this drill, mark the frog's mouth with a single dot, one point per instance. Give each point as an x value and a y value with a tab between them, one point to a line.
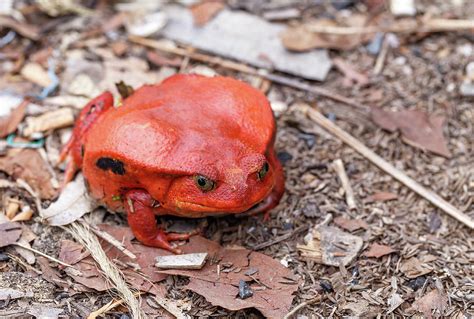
193	209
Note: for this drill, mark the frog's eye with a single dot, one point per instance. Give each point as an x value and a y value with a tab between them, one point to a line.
263	171
204	183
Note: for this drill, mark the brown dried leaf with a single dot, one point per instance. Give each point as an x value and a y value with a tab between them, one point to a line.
434	300
9	123
9	233
28	165
377	250
418	128
381	197
89	272
413	268
270	296
302	38
204	11
350	224
351	75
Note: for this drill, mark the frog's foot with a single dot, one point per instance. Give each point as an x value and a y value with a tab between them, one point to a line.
141	220
74	147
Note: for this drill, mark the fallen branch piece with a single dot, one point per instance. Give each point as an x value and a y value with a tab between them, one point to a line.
293	311
187	261
387	167
338	166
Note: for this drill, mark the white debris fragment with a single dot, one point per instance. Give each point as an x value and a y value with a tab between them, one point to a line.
403	7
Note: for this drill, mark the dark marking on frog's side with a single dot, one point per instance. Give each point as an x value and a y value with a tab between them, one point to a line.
106	163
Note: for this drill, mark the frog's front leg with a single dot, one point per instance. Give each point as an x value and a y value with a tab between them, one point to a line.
74	148
142	221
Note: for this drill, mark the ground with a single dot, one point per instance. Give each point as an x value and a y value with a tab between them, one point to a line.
423	74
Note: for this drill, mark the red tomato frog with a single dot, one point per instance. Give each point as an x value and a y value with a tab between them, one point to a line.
191	146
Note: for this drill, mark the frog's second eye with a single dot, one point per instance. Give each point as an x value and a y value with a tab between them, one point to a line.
263	171
204	183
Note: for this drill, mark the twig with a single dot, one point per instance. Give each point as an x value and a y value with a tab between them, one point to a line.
172	307
111	240
239	67
43	254
302	305
379	63
110	305
338	166
387	167
280	238
403	26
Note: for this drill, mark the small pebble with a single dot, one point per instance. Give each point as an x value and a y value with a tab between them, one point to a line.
284	157
326	285
470	71
416	283
465	49
403	7
4	257
467	89
244	290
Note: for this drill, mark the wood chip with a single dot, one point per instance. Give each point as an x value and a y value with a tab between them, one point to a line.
48	121
187	261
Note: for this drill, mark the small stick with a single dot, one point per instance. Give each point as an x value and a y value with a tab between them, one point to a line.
379	63
425	25
43	254
302	305
239	67
280	238
338	166
110	305
429	195
111	240
172	307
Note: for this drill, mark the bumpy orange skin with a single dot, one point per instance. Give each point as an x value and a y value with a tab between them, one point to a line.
147	151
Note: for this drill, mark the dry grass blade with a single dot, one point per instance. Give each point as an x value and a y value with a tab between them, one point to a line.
91	243
432	197
107	307
43	254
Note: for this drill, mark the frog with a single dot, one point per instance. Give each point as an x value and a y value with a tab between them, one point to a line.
191	146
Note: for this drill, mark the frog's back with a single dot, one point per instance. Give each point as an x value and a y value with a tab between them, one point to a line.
187	120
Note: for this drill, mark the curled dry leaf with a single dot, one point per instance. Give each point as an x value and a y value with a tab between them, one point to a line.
9	233
72	204
434	300
204	11
9	122
28	165
377	250
305	37
350	224
418	128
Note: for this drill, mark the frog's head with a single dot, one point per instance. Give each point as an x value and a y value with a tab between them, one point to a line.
226	186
